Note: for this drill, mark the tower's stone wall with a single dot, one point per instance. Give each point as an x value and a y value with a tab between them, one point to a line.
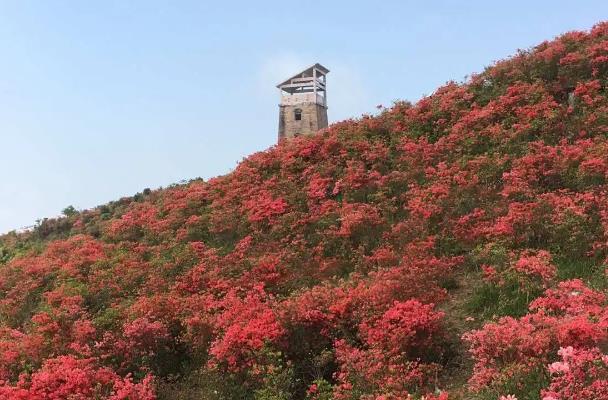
313	118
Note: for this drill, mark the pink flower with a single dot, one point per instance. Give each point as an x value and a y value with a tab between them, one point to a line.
566	352
559	367
313	389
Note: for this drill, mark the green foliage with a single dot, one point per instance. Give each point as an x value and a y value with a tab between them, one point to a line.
524	386
107	319
320	390
5	255
69	211
277	386
490	301
203	385
590	270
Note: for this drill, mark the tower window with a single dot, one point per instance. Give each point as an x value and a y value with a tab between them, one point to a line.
297	114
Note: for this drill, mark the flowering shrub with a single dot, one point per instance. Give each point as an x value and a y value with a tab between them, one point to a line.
571	298
405	328
536	265
581	374
264	207
508	349
66	377
511	349
346	264
391	363
248	325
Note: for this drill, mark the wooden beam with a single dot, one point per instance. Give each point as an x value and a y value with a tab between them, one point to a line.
314	77
306	79
318	84
300	85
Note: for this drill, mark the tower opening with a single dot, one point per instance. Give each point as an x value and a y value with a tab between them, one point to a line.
297	114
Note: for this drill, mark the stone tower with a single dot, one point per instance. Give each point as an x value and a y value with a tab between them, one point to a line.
303	107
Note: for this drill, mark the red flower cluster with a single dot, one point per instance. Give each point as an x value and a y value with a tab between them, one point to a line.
392	360
65	377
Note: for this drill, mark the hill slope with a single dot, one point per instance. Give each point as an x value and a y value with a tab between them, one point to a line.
452	247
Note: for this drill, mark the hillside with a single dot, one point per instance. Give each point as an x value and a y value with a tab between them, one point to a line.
453	248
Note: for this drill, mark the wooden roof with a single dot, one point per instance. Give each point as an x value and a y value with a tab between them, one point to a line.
305	74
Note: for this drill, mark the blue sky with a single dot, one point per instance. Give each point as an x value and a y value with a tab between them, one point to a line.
101	99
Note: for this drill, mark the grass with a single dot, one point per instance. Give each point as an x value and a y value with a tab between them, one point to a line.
590	270
490	301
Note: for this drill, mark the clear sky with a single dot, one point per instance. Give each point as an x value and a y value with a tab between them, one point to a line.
101	99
